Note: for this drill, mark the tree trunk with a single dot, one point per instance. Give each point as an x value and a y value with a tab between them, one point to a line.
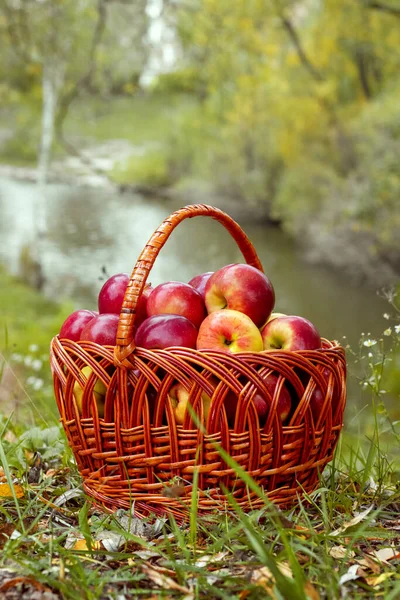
50	93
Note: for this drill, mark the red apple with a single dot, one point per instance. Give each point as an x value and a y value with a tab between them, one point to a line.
112	294
141	306
317	399
284	404
229	331
199	282
101	330
75	323
163	331
177	298
290	333
231	402
261	404
243	288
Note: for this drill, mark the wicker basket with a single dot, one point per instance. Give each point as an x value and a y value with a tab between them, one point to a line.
136	454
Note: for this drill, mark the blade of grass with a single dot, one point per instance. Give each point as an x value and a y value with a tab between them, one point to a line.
4	462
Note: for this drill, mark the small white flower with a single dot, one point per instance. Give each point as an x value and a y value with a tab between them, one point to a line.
33	348
28	361
370	355
38	383
17	357
388	331
31	380
386	316
397	328
36	364
369	343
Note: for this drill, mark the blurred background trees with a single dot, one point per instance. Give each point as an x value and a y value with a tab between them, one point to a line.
287	106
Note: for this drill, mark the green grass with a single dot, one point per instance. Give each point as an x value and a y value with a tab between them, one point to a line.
28	321
140	119
143	119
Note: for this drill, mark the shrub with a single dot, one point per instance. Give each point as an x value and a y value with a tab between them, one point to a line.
149	169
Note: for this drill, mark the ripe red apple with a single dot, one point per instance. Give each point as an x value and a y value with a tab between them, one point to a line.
229	331
317	399
141	306
199	282
261	404
102	330
177	298
290	333
243	288
75	323
231	402
284	404
112	294
163	331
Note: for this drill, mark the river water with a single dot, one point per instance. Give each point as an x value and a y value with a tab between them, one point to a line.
84	230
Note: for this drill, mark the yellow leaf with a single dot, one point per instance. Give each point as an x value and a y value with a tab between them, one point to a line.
7	492
81	545
375	581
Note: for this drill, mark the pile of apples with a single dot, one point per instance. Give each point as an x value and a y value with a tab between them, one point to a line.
229	310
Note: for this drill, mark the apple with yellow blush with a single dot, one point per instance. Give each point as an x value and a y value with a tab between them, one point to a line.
99	391
179	397
229	331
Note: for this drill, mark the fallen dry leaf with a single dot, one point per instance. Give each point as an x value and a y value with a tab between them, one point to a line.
76	541
340	552
311	592
25	580
386	554
368	562
7	492
207	559
6	531
264	578
164	581
376	580
354	572
357	519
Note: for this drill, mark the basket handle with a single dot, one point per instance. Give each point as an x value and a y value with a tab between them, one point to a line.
125	342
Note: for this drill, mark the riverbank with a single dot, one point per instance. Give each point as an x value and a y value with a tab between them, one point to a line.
341	248
150	145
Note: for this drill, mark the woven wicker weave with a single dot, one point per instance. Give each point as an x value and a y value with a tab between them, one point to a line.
138	454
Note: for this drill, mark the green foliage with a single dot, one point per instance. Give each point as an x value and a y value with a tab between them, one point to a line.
300	115
182	81
28	321
362	202
20	148
150	169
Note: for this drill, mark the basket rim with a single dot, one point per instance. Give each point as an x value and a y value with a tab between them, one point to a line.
326	345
